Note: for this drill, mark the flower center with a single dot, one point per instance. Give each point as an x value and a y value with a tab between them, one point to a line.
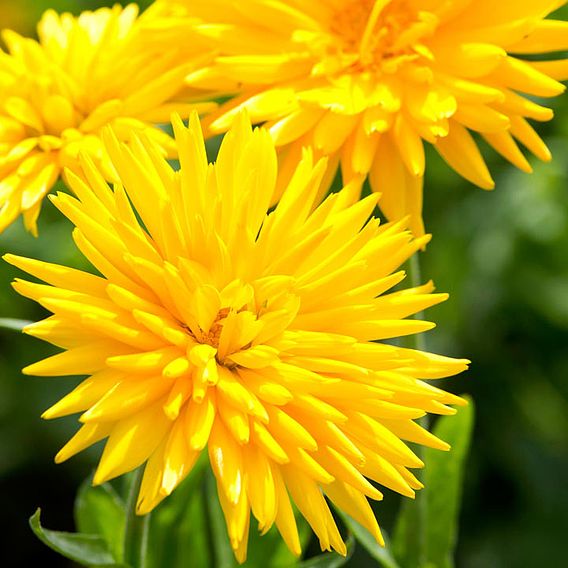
212	336
383	33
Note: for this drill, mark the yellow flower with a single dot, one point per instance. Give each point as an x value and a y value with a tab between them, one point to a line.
257	336
57	93
368	81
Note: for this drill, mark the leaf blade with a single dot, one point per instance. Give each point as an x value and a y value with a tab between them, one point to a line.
440	498
100	511
86	549
444	479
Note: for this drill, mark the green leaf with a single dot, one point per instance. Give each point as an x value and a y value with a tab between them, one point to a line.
438	503
330	559
381	554
100	511
443	480
85	549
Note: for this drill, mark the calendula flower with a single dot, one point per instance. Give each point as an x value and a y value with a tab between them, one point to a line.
57	93
367	82
257	337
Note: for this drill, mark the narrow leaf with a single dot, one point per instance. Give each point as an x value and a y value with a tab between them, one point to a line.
443	480
85	549
426	529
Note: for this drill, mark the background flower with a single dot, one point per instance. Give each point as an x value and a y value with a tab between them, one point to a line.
367	82
215	325
58	92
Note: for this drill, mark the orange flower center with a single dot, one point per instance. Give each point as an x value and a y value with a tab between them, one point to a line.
383	33
212	336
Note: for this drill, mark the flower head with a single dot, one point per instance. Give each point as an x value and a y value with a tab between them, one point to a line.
57	93
258	337
369	81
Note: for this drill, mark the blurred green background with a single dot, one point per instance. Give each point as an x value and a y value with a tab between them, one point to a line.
503	257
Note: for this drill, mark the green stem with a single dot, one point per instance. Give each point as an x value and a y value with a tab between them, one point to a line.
136	529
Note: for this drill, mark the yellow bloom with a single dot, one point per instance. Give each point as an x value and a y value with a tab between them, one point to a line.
257	336
56	94
368	81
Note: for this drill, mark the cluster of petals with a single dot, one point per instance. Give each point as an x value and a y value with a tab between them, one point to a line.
259	336
57	92
367	82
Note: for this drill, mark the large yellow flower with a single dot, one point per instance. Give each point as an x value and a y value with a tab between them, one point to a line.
368	81
56	94
214	324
